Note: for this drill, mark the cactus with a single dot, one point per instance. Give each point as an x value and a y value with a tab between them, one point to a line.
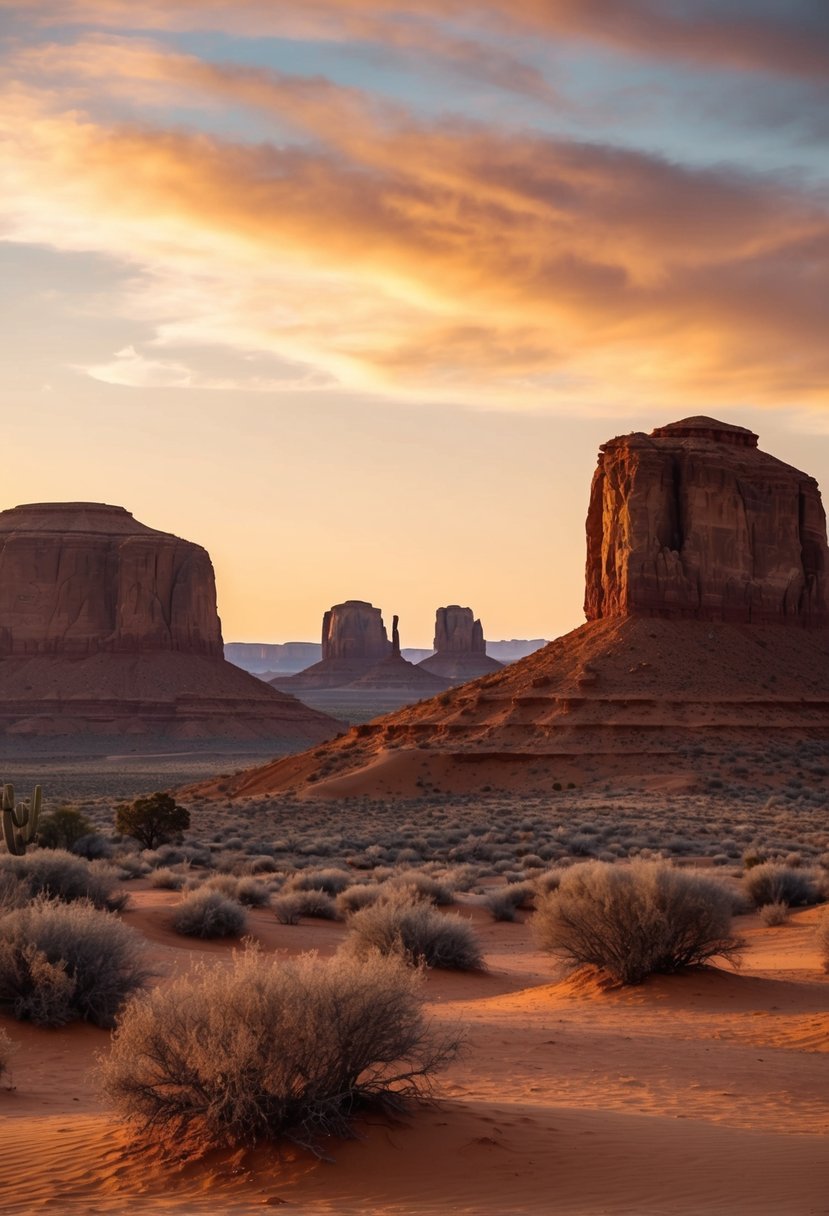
19	821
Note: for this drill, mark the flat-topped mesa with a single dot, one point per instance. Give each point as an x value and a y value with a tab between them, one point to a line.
84	578
694	521
460	649
354	631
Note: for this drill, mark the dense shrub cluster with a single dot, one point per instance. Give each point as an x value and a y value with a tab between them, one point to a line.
60	962
60	875
634	920
266	1050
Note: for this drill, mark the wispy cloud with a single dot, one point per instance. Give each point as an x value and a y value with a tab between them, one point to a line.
789	38
438	261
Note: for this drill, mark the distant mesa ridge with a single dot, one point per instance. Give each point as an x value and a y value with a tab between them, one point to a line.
706	639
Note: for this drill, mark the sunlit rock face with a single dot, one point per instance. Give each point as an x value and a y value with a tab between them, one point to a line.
84	578
694	521
460	649
354	631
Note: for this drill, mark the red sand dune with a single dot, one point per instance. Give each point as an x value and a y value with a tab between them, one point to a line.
699	1093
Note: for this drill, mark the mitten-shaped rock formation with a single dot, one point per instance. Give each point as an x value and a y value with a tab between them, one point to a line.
354	631
108	627
354	638
460	647
79	578
695	521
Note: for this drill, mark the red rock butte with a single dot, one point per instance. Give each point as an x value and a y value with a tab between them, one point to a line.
110	627
705	655
694	521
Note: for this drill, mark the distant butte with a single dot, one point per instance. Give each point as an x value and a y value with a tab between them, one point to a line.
705	654
460	648
108	627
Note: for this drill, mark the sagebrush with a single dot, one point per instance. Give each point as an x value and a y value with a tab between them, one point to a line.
61	962
266	1049
636	919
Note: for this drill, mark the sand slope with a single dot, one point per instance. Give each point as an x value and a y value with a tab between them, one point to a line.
633	700
702	1093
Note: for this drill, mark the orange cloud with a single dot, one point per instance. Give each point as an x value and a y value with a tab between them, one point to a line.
429	261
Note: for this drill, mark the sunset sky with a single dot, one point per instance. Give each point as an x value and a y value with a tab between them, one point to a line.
349	291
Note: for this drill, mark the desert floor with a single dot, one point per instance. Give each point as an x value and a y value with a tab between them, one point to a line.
706	1092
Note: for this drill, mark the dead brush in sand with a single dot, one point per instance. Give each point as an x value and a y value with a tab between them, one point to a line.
822	934
636	919
415	932
7	1050
267	1050
62	962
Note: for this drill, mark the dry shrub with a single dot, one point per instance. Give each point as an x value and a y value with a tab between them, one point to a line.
634	920
774	914
773	882
331	881
7	1050
61	962
504	902
207	913
418	885
361	895
265	1049
415	932
57	874
289	909
822	933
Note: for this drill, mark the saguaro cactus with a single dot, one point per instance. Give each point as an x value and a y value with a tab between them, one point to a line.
19	821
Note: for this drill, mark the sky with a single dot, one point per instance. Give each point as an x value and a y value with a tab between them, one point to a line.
350	291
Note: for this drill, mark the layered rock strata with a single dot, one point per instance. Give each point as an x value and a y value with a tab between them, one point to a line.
108	627
460	649
694	521
702	554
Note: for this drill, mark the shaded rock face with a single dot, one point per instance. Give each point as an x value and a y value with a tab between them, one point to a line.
80	578
354	631
457	631
694	521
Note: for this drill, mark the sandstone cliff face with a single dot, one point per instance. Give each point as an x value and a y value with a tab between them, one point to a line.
354	631
82	578
695	521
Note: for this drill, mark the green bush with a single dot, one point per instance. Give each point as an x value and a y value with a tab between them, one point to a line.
637	919
61	962
62	827
152	820
265	1050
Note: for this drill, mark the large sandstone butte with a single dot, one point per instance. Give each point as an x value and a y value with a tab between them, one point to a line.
108	627
702	553
460	649
694	521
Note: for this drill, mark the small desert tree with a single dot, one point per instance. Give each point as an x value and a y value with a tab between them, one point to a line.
152	820
634	920
265	1049
61	828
